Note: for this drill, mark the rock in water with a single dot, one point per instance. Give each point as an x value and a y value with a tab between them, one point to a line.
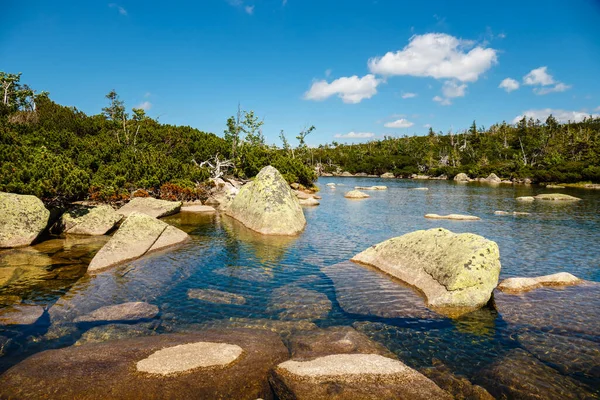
267	205
152	367
462	177
454	217
456	272
352	376
518	285
525	198
387	175
493	178
150	206
138	235
356	194
556	197
132	311
309	202
23	219
21	314
95	221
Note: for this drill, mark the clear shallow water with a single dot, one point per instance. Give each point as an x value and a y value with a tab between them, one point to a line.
295	279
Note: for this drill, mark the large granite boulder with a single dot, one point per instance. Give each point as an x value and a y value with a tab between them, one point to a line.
231	364
150	206
90	221
137	235
462	177
352	376
268	205
493	178
387	175
23	219
456	272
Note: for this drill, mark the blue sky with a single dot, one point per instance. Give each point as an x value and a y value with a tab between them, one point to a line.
354	69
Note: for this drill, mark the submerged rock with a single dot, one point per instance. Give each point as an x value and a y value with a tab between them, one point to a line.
514	213
311	201
144	368
23	219
554	187
105	333
298	303
137	235
454	217
283	328
268	206
456	272
556	197
150	206
334	340
518	285
460	387
365	291
90	221
245	273
216	296
387	175
356	194
526	198
519	375
352	376
21	314
131	311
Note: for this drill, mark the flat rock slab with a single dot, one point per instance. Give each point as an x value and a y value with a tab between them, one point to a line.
370	187
185	357
519	375
245	273
138	234
198	208
561	310
356	194
453	217
216	296
556	197
109	370
419	188
90	221
299	303
459	386
365	291
352	376
132	311
23	219
150	206
526	198
20	314
518	285
283	328
334	340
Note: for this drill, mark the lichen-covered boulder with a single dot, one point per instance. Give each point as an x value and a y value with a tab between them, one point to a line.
137	235
456	272
387	175
150	206
493	178
90	221
352	376
556	197
462	177
267	205
23	219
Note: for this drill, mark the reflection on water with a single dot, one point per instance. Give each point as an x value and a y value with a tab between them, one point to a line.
292	284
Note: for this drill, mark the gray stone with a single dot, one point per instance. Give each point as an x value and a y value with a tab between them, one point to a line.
21	314
462	177
356	194
90	221
150	206
556	197
105	333
132	311
23	219
298	303
216	296
519	285
454	217
198	208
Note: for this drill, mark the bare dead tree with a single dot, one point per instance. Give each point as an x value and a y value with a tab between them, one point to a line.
216	166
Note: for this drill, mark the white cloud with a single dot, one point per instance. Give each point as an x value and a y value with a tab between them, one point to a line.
436	55
560	115
509	85
146	105
451	89
538	76
355	135
121	10
559	87
408	95
399	123
350	89
249	10
442	101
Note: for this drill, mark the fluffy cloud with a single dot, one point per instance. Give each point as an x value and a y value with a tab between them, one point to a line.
538	76
146	105
249	10
355	135
560	115
509	85
408	95
350	89
436	55
121	10
451	89
399	123
442	101
541	77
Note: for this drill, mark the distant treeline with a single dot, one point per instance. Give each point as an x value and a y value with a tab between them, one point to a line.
543	151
